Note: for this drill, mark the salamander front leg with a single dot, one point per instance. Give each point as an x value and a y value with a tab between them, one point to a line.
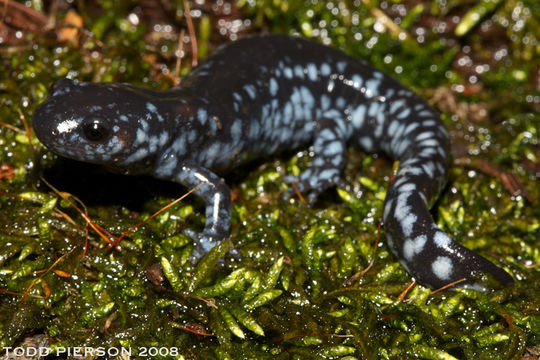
217	196
328	162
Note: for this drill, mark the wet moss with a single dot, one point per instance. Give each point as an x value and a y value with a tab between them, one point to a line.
300	291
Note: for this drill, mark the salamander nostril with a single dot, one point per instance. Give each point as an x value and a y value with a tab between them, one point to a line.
63	85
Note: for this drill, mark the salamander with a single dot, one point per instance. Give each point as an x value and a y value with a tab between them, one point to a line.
259	96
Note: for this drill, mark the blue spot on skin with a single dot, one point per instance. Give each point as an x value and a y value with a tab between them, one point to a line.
378	74
396	104
287	112
273	87
405	113
325	102
299	71
139	154
250	89
358	116
334	148
163	138
312	72
372	87
357	81
373	109
410	128
236	130
141	137
150	107
288	72
331	85
325	69
95	108
367	143
393	128
307	97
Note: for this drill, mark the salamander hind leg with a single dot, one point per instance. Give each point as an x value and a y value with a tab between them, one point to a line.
327	164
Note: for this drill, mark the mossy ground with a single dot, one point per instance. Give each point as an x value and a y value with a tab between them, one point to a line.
298	292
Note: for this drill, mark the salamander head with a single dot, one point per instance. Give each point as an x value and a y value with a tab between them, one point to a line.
110	124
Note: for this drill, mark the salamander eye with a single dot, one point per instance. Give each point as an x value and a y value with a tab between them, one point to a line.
95	129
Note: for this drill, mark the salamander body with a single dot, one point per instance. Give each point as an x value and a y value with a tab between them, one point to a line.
259	96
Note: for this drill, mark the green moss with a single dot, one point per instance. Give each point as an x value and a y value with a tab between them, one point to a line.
297	293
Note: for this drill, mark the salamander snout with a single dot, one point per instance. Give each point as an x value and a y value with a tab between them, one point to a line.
111	124
62	86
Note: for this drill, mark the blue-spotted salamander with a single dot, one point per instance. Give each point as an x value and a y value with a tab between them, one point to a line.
259	96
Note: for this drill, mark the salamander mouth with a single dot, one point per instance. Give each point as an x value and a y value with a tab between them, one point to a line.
115	169
79	153
42	128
